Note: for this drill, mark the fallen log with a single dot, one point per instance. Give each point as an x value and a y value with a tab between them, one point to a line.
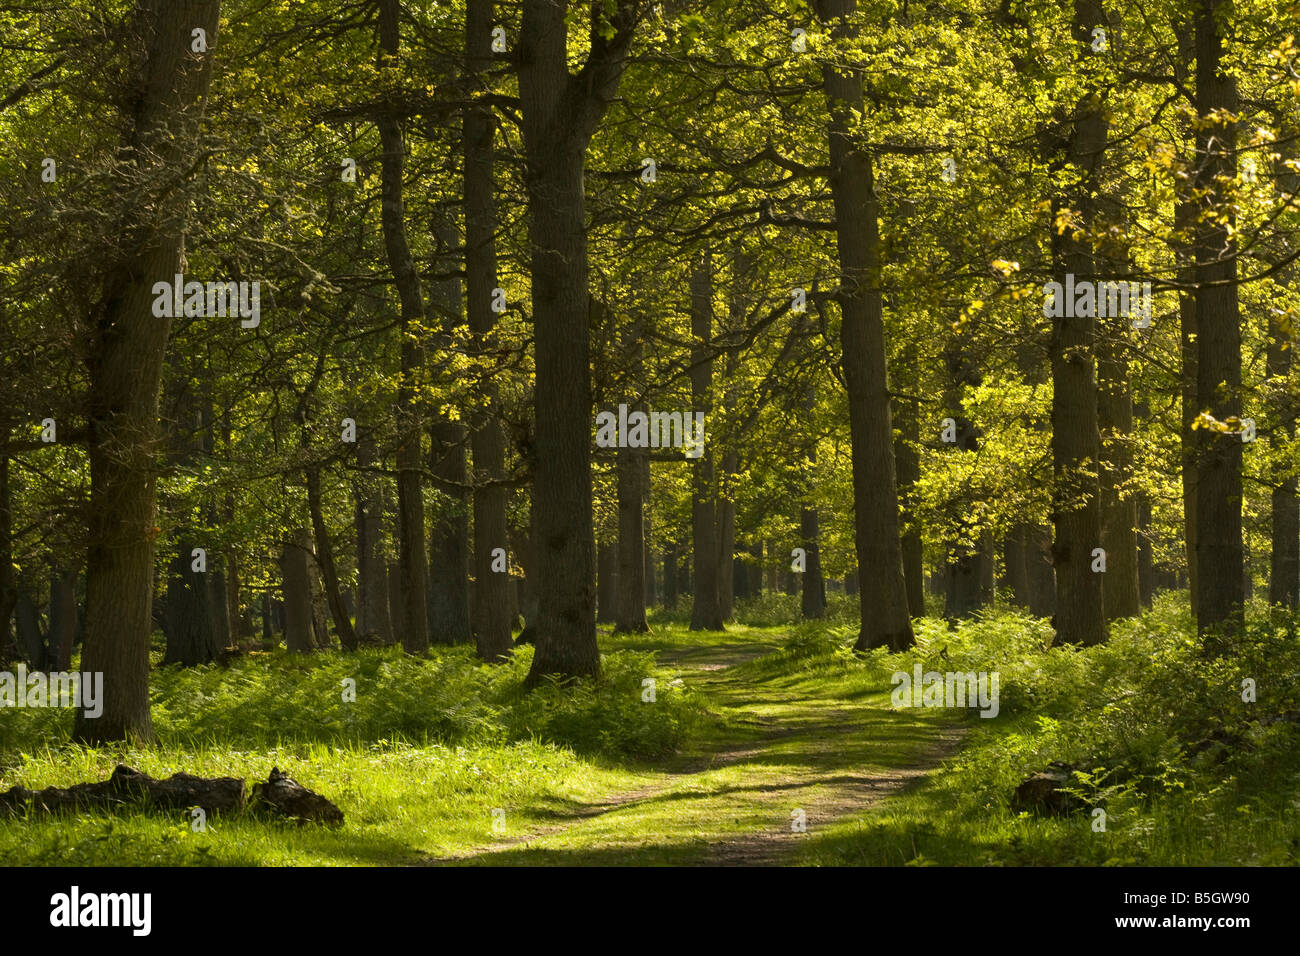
182	791
289	797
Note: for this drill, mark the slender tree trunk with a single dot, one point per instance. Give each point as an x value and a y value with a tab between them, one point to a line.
726	514
411	620
706	613
372	598
670	577
651	597
1219	558
393	582
1119	516
491	602
8	593
63	619
1076	444
449	547
325	559
294	570
1284	560
606	582
812	601
631	542
883	598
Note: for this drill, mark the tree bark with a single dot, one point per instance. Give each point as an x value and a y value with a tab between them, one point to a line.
1076	443
325	559
706	612
492	624
883	597
125	361
1284	560
631	542
373	618
295	573
812	591
1219	559
411	619
606	582
560	112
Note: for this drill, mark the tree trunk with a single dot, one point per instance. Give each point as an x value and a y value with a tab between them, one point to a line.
670	578
449	547
1219	559
606	582
631	541
491	610
726	515
410	613
649	556
812	600
295	573
63	619
1076	444
883	598
1118	500
373	619
190	636
560	113
125	363
706	613
1284	560
325	559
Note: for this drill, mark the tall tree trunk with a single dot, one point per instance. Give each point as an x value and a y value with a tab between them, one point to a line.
372	598
325	559
560	112
670	577
630	469
706	613
812	600
606	582
726	515
883	598
650	595
1076	443
1219	559
1119	516
491	601
393	582
1284	560
63	619
125	361
295	573
411	620
449	549
8	593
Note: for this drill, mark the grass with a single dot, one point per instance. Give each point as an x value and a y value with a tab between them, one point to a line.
748	727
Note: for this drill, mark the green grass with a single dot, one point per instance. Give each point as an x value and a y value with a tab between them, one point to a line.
747	726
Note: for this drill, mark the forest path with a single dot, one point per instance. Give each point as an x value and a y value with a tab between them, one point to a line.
781	746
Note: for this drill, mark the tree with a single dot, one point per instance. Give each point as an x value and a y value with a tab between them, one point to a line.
560	112
126	348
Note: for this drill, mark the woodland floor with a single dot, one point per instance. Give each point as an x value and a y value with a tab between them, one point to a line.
729	799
